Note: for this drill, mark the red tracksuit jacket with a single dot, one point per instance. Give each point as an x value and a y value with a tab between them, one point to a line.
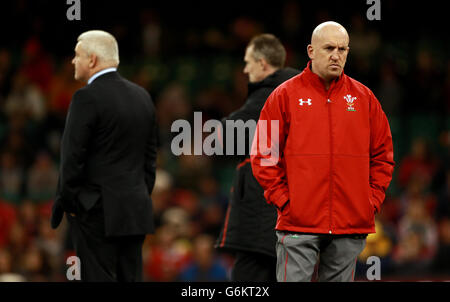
335	158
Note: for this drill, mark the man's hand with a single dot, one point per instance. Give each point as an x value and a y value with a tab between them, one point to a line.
72	214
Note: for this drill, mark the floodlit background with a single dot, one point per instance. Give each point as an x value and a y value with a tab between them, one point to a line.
189	56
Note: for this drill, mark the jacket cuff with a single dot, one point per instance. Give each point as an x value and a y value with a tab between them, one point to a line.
278	198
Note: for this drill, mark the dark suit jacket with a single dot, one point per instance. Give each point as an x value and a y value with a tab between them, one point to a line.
108	155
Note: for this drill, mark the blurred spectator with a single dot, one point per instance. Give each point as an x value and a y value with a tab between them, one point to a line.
213	205
6	269
443	204
50	244
244	28
11	178
365	43
172	104
424	92
191	168
34	265
62	87
8	216
18	145
419	163
390	91
441	263
292	19
28	217
5	262
205	265
416	190
162	193
364	40
178	220
379	244
151	32
165	255
5	72
25	98
17	243
37	64
42	178
417	240
446	89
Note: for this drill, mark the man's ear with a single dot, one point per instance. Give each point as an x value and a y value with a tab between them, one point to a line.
310	51
93	60
264	64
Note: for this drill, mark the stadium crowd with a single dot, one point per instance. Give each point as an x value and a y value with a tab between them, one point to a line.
410	77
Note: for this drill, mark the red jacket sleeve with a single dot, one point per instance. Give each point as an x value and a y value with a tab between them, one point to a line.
267	149
381	154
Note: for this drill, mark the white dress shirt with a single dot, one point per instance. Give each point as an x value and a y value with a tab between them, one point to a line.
101	72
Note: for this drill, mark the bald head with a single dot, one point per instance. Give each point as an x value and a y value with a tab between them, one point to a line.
326	29
328	50
103	45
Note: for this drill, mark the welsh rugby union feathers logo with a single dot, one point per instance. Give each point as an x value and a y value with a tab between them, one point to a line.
350	102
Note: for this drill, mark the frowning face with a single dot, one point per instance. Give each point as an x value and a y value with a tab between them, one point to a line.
328	52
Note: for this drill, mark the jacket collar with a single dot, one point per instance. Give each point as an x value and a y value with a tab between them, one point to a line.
318	82
100	73
273	80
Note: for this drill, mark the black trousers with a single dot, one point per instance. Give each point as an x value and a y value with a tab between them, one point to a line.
104	259
254	267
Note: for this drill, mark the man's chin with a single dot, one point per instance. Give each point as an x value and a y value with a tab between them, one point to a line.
78	78
335	73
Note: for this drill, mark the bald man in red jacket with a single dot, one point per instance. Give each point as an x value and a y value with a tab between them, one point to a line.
323	154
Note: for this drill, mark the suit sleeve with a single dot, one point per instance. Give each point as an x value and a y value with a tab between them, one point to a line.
150	153
79	126
267	150
381	154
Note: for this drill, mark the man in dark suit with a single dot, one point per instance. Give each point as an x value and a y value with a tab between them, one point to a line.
108	162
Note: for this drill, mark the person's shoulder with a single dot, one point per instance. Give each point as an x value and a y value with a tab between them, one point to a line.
83	94
136	87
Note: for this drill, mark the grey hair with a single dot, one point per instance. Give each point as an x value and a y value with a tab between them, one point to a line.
101	43
269	47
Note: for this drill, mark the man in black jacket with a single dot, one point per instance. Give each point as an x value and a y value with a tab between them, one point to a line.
107	171
248	229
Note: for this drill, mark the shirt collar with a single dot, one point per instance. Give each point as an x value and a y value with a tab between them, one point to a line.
101	72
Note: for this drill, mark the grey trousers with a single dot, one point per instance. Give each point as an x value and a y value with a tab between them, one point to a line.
298	254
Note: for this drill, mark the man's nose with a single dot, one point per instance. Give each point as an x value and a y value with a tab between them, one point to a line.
334	56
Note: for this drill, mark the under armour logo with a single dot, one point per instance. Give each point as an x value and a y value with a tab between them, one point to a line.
301	101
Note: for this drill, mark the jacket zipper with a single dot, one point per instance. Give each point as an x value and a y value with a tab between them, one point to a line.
329	102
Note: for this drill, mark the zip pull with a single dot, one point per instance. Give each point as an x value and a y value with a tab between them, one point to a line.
329	101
